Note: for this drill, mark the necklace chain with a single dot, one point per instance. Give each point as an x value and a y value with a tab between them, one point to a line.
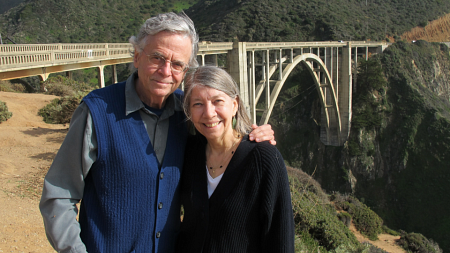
227	157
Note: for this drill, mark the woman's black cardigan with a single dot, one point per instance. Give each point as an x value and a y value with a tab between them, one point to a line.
249	211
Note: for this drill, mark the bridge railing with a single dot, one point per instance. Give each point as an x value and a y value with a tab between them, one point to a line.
42	55
206	47
14	56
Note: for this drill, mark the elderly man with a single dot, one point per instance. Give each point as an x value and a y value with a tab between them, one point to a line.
123	154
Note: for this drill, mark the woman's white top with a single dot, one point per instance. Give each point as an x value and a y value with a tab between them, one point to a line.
212	182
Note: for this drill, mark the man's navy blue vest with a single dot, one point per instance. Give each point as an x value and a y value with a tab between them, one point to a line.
129	205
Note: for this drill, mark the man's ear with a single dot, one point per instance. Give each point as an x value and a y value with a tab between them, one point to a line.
136	58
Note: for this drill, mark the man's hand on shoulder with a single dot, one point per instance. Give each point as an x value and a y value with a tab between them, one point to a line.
262	133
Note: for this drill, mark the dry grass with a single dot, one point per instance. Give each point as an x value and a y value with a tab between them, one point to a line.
436	31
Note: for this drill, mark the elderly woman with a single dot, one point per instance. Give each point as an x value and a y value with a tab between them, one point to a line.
235	192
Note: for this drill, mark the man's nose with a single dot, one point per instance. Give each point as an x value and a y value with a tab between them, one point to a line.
166	68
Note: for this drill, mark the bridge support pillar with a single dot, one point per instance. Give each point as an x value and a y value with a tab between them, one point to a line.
43	78
237	68
101	76
380	49
114	74
345	91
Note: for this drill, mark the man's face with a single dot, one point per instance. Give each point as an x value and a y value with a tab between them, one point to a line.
155	83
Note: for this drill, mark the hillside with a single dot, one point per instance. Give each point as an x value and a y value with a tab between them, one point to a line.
396	159
435	31
301	20
52	21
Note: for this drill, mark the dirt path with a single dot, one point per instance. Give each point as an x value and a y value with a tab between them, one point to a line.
27	148
385	242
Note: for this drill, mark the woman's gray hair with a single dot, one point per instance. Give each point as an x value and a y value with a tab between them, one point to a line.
170	22
219	79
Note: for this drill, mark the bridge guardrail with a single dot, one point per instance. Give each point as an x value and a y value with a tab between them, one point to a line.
18	48
41	55
13	56
211	47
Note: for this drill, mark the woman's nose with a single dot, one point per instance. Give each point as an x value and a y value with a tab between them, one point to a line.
210	110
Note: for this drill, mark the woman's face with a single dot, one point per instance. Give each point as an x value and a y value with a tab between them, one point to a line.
212	112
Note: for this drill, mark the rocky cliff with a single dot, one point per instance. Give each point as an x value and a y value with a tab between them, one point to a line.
397	158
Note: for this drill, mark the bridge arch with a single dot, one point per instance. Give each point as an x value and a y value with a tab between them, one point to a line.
323	84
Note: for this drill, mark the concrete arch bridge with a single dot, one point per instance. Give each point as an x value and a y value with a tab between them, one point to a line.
331	65
260	70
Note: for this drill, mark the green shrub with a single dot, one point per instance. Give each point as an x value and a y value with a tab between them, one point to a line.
60	90
417	243
4	113
60	110
390	231
345	218
63	86
369	248
316	222
6	86
366	221
11	87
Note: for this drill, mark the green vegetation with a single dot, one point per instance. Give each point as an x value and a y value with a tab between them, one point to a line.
415	140
320	20
63	86
318	228
11	87
4	113
366	221
369	91
413	242
60	110
315	218
51	21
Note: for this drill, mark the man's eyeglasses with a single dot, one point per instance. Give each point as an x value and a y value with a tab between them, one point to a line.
157	61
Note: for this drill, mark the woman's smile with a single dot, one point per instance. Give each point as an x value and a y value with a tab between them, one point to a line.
212	124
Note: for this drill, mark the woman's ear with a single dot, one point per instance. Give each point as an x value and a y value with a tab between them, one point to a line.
236	105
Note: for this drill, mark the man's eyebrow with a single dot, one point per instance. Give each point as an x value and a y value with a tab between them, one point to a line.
157	54
163	56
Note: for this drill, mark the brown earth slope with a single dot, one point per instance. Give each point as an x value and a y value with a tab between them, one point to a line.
27	148
435	31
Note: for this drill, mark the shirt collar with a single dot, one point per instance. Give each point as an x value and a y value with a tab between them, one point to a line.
133	102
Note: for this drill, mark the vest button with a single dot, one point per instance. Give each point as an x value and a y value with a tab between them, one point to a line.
158	235
161	175
160	205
